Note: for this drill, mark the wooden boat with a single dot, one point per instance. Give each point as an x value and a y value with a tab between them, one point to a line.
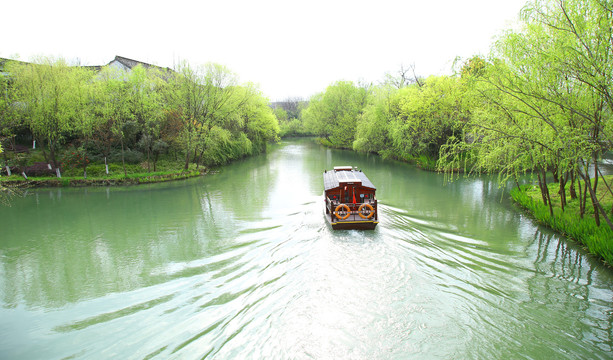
350	200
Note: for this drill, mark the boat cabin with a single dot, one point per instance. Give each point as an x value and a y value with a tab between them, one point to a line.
350	200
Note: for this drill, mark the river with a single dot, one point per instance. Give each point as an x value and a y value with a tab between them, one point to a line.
241	264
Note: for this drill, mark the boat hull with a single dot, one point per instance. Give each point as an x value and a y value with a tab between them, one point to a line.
354	222
354	225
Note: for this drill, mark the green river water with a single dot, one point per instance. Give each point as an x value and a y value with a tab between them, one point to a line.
241	264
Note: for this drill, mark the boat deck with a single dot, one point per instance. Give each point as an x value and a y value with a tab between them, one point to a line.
350	201
359	216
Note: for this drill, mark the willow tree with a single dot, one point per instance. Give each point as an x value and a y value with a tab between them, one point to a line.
200	97
220	113
577	38
507	133
145	89
333	115
258	121
424	117
9	108
546	98
372	133
242	125
115	105
84	121
49	91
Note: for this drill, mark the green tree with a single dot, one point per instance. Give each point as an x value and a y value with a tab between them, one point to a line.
222	100
333	115
259	122
281	114
425	117
84	121
48	90
202	98
546	100
114	98
372	134
146	88
10	119
575	36
289	117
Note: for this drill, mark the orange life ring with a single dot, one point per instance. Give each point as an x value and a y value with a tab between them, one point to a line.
372	211
337	210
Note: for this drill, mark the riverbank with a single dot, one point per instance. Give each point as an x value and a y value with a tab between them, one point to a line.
423	161
598	240
108	180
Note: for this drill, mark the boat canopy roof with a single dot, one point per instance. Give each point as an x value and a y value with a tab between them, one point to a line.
345	175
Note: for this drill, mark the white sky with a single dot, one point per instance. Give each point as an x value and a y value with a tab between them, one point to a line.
290	48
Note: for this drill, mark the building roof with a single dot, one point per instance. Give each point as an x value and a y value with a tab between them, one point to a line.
124	61
333	179
4	62
130	63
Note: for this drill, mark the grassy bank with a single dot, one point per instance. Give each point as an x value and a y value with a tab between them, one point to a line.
97	175
118	179
598	240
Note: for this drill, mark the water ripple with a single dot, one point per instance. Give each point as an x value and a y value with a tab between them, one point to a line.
219	275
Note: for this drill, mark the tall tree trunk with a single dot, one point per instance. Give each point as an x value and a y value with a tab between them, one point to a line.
593	191
597	206
554	173
606	184
562	193
42	148
6	159
149	159
200	156
541	187
52	153
186	160
563	182
547	192
598	209
517	183
187	151
573	193
85	159
583	198
123	160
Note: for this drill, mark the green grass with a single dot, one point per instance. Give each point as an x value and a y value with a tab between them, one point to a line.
166	169
597	239
425	162
96	175
114	179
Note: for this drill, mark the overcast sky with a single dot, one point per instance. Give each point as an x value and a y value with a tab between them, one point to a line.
289	48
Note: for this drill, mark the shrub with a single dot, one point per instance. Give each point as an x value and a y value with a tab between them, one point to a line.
130	156
75	159
39	169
